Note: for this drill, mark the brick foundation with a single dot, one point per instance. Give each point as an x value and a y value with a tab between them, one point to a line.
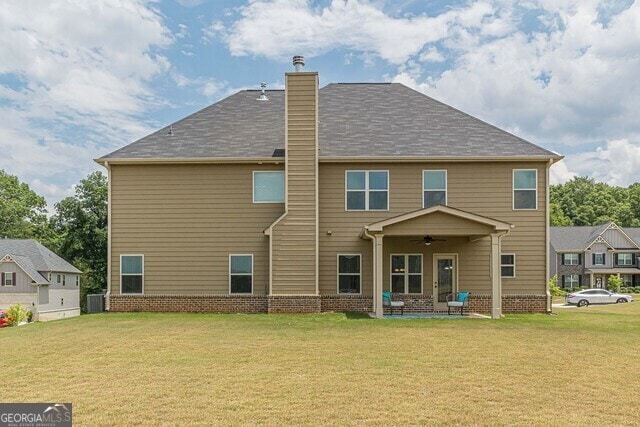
358	303
413	303
510	303
193	304
294	304
308	304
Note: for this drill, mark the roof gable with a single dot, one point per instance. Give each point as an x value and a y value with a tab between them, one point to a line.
40	257
25	265
387	120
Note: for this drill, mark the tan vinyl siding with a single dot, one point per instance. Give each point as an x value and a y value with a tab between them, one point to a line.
481	188
186	220
294	238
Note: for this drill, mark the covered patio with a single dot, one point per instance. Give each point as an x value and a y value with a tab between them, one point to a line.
438	222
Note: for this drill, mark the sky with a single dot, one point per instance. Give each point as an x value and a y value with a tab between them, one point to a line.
80	79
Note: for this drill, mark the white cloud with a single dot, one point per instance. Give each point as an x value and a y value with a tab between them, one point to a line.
85	71
183	31
277	28
559	173
432	55
617	163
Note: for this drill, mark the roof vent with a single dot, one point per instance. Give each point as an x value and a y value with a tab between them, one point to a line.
263	94
298	63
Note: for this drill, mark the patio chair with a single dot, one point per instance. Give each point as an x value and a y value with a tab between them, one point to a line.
387	302
458	299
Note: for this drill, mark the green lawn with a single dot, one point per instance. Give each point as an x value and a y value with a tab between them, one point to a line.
579	367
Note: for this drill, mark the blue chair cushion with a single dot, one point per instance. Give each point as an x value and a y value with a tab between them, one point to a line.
462	296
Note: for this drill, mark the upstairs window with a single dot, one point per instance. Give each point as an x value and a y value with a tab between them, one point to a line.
508	265
77	281
131	274
598	259
525	189
241	274
268	187
8	279
625	259
367	190
434	188
64	280
570	259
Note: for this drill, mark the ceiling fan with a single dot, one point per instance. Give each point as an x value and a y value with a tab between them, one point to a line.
427	240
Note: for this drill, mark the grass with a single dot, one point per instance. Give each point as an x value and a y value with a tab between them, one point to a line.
579	367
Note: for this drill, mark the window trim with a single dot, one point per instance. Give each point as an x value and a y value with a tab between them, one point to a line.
406	274
564	282
131	293
618	263
571	253
604	260
513	190
241	274
446	185
10	274
348	274
366	190
630	276
253	187
508	265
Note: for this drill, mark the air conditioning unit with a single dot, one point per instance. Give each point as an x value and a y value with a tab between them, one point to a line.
95	303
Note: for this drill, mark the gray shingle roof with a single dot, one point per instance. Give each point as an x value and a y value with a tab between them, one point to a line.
41	258
578	238
355	120
28	268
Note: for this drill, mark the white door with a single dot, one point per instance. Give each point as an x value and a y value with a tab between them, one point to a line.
445	276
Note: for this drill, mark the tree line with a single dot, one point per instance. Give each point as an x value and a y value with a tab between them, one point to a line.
77	231
583	201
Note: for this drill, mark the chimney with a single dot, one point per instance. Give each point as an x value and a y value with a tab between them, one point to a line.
298	63
294	237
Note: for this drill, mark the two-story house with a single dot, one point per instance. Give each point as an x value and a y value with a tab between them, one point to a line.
587	256
38	279
310	200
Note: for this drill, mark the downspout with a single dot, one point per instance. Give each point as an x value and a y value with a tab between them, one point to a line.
547	238
106	297
269	232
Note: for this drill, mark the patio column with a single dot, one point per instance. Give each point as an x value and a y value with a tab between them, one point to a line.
496	280
377	275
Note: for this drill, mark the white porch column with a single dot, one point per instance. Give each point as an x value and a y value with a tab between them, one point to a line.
496	279
377	276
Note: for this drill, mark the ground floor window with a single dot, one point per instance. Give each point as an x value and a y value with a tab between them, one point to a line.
406	274
508	265
627	279
349	268
241	274
131	274
570	280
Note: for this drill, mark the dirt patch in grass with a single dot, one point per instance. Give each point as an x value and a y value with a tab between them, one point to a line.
335	369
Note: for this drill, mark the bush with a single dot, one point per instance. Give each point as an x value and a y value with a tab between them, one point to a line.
16	314
554	289
614	283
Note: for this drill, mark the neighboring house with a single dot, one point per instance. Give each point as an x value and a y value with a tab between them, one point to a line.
587	256
44	283
319	199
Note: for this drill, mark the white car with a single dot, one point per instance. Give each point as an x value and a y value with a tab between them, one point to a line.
596	296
